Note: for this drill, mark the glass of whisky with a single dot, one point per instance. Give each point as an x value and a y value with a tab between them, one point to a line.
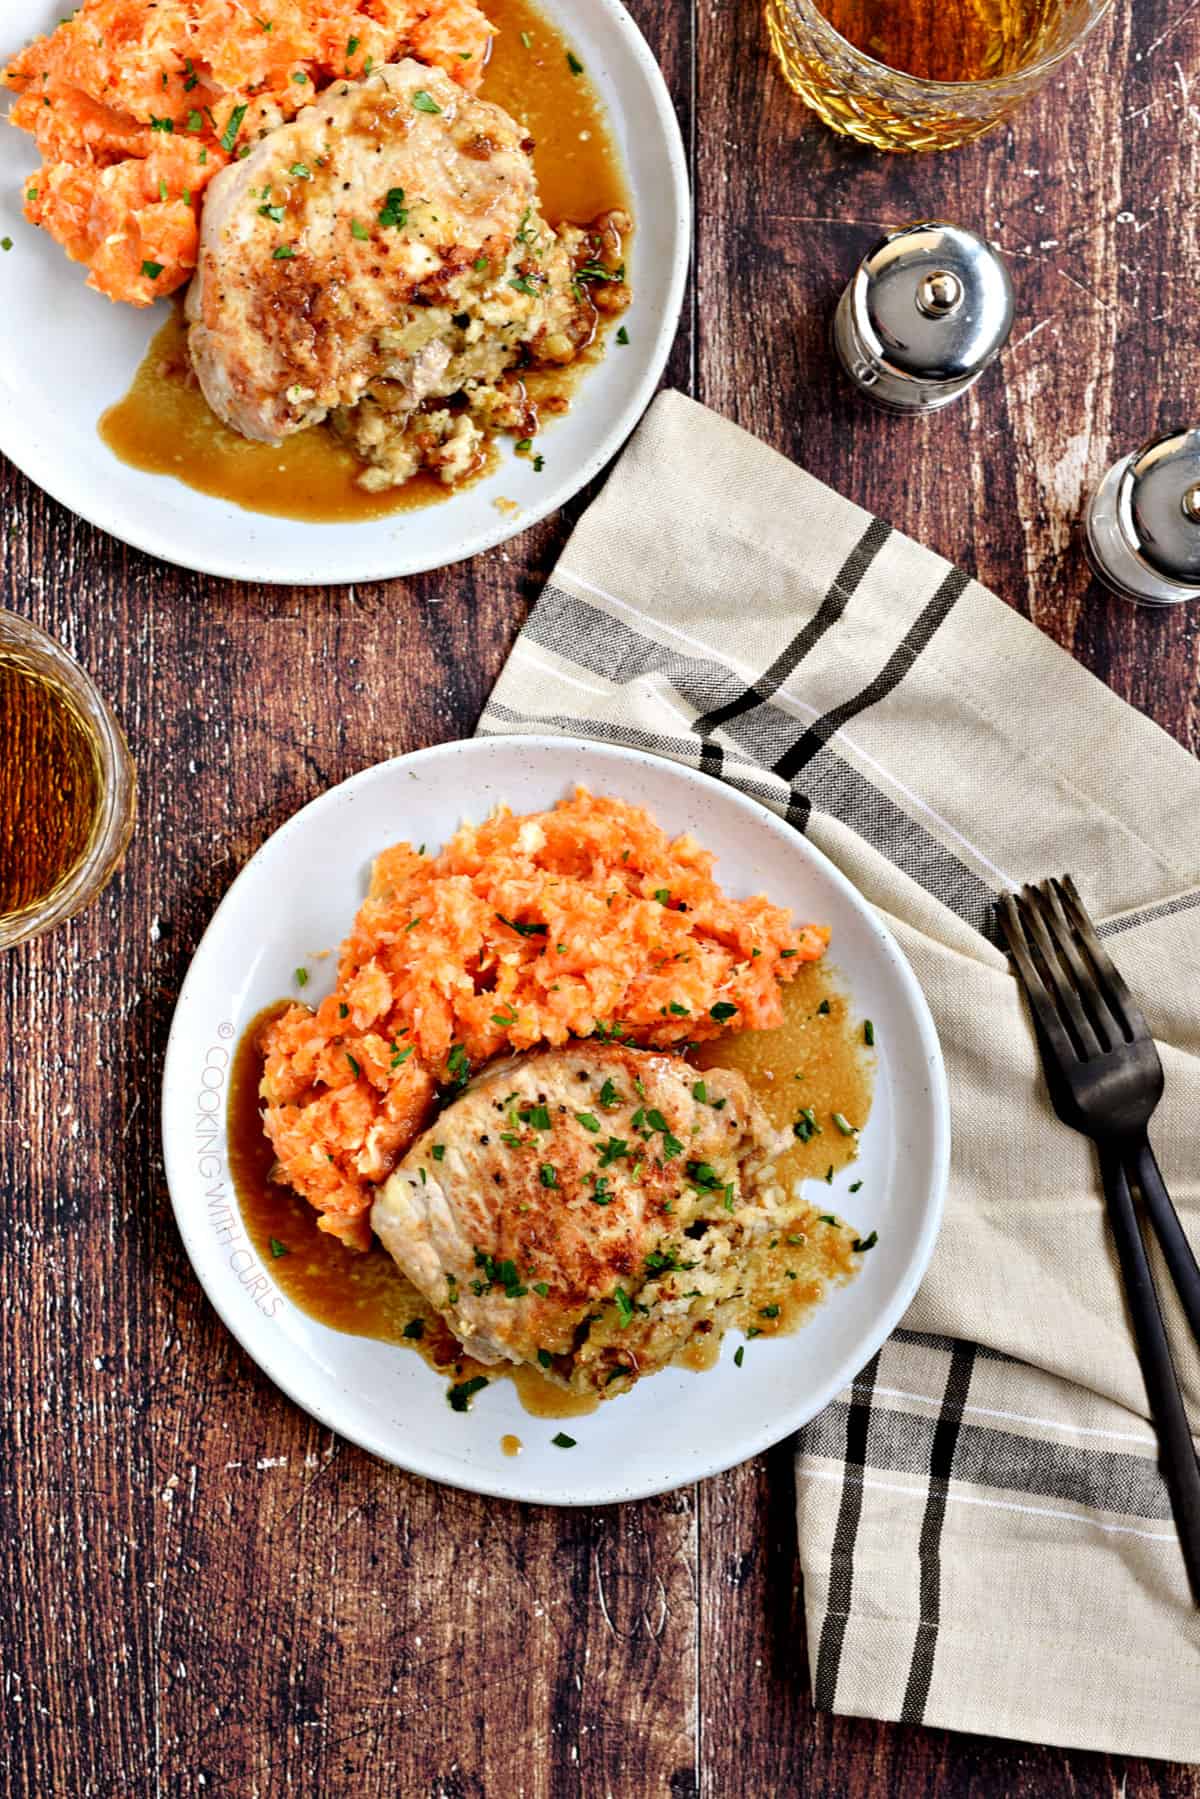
67	785
923	74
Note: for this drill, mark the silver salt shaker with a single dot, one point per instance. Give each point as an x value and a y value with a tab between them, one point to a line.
1143	525
924	314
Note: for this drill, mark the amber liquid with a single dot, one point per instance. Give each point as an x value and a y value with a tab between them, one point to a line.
50	787
164	425
961	41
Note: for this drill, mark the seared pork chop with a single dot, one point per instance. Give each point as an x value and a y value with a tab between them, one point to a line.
384	193
567	1188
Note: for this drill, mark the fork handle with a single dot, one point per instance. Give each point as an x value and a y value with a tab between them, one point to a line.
1142	1169
1177	1456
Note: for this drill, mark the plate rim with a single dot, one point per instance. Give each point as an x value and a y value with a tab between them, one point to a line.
39	463
489	1483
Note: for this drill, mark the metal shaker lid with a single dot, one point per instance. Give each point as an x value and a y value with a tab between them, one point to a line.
925	313
1164	505
1143	525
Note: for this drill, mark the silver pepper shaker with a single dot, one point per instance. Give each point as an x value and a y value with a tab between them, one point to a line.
925	313
1143	525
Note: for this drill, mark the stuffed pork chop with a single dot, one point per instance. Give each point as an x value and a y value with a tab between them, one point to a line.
365	246
584	1209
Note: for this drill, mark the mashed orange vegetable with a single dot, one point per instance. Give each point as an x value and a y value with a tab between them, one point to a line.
137	104
585	921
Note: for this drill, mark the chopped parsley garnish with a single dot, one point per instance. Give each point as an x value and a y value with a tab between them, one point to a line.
300	76
272	212
785	953
854	1186
438	1152
537	1116
622	335
401	1055
284	253
823	1009
482	265
545	1359
703	1175
700	1092
394	214
278	1249
523	444
768	1311
864	1243
195	121
561	1440
728	1201
573	63
806	1126
352	46
31	193
523	285
152	270
829	1174
302	977
548	1174
412	924
663	895
522	930
353	1064
539	463
167	125
541	1288
301	171
624	1306
460	1396
230	133
461	320
359	230
526	40
721	1011
601	1195
678	1011
425	102
843	1124
739	1355
612	1150
827	1218
665	1261
498	1274
609	1097
795	1239
869	1034
588	1120
414	1330
458	1066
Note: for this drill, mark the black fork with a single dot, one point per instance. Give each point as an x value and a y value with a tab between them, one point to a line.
1105	1080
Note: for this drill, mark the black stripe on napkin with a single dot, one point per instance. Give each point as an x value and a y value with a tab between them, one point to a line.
886	681
941	1466
841	1572
1183	902
845	582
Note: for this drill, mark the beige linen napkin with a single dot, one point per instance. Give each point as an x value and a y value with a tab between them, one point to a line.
985	1538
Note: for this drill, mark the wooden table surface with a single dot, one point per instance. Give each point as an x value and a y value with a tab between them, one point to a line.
203	1591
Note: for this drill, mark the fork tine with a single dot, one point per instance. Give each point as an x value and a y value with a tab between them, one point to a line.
1065	995
1090	993
1107	970
1012	923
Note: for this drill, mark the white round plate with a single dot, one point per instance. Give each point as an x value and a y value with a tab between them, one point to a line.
299	894
67	353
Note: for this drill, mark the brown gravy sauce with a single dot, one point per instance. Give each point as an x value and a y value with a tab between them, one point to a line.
164	425
816	1059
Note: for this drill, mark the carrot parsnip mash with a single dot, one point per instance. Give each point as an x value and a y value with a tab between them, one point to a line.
136	106
583	922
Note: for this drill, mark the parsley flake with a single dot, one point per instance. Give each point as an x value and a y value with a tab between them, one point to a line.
424	102
278	1249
